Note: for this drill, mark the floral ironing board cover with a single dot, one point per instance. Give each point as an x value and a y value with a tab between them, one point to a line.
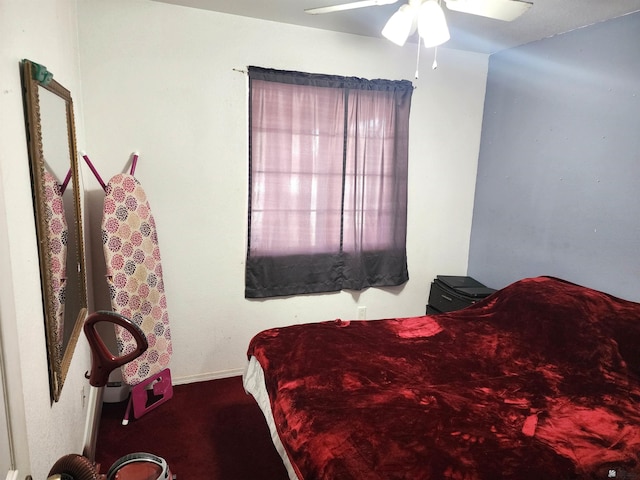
134	275
57	235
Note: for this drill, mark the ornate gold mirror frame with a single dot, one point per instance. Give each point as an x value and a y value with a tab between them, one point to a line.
56	198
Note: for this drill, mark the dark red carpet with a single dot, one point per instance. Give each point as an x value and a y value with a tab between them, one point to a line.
208	431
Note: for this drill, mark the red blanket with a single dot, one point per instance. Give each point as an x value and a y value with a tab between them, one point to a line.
539	381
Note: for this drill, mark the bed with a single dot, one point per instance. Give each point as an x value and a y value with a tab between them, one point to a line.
538	381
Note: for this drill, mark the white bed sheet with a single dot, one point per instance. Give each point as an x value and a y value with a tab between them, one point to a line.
253	381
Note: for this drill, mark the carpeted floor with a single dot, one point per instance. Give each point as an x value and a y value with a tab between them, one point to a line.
208	431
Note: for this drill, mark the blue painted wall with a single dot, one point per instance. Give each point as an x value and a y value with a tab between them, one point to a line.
558	186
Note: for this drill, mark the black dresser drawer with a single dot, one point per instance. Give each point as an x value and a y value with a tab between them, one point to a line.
446	300
455	293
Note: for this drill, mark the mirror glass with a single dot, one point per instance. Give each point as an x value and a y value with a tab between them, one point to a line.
56	200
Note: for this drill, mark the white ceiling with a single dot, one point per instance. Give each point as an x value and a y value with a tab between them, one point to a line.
468	32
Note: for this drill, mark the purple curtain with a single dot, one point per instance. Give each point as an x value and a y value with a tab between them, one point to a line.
328	183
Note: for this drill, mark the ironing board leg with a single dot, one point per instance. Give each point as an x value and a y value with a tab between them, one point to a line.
160	388
125	420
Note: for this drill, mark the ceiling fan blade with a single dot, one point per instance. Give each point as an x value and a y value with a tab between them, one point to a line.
349	6
506	10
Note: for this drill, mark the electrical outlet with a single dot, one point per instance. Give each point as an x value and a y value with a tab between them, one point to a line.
362	313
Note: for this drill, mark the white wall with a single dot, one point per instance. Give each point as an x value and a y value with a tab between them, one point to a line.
160	79
45	32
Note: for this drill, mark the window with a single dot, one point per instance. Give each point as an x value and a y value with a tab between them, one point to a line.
327	183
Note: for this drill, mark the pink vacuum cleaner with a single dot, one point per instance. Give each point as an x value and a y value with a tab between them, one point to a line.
135	466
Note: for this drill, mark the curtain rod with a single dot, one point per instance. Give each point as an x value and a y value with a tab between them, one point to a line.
246	72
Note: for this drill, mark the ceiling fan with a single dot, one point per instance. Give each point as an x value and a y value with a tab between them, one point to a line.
428	18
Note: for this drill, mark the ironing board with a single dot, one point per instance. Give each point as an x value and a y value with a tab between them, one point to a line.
136	288
57	235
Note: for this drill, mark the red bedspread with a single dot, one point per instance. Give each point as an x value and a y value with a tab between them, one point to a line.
538	381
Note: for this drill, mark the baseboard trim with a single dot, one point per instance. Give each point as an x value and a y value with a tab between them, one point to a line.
204	377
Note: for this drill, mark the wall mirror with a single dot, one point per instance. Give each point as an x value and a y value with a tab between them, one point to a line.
56	199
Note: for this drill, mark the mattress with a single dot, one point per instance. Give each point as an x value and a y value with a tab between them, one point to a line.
253	381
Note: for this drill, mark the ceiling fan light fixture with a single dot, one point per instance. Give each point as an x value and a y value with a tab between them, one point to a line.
398	27
432	26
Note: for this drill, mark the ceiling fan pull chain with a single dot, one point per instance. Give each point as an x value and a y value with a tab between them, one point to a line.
435	58
418	59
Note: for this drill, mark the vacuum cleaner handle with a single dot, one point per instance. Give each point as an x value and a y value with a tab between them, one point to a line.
103	362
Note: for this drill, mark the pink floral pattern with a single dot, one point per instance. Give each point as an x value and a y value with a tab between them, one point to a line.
134	275
57	238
